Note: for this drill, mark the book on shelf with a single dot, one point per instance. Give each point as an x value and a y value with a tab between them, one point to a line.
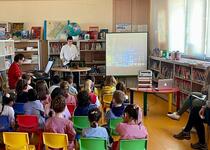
36	32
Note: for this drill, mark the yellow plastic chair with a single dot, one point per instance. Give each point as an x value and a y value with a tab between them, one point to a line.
55	140
17	141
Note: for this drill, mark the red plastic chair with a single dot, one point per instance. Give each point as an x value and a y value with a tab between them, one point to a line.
71	108
30	124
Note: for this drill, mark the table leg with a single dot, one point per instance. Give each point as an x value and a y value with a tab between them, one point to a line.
145	103
177	100
77	80
131	96
170	97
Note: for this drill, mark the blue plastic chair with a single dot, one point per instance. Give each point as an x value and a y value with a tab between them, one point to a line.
4	124
19	108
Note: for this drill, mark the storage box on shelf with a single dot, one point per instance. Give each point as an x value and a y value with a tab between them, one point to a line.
188	75
31	49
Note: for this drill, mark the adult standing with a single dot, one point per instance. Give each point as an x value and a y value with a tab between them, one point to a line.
15	72
69	52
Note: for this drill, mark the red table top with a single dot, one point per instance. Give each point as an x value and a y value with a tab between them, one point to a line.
152	90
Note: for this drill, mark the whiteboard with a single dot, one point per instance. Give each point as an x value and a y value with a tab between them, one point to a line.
126	53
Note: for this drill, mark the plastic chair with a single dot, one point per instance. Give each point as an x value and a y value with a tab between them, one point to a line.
55	140
30	124
71	108
17	141
19	108
113	124
137	144
92	143
80	122
5	124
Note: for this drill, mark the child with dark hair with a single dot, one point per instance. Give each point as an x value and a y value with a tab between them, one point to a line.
57	92
6	108
70	80
34	107
121	86
84	104
27	77
117	106
132	127
95	131
21	91
56	83
58	124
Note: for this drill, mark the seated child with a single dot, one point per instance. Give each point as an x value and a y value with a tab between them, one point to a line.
109	85
27	77
84	104
121	86
132	127
72	89
93	97
59	124
6	108
70	99
21	91
57	92
117	106
95	131
56	83
34	107
94	89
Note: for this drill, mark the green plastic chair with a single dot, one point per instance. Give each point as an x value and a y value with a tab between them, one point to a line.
113	124
80	122
92	143
137	144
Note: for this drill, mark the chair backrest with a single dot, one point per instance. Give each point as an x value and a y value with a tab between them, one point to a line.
113	124
81	122
55	140
71	108
92	143
27	121
137	144
4	123
19	108
16	140
107	98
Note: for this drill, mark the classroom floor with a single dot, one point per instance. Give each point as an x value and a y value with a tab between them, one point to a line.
161	129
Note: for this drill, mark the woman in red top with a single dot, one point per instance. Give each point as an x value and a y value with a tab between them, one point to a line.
15	72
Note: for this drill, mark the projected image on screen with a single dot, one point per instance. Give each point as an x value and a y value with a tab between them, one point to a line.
126	53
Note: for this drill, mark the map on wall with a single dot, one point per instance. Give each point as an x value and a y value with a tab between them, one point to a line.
55	30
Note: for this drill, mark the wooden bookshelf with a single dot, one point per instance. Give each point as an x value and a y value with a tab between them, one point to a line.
188	74
31	49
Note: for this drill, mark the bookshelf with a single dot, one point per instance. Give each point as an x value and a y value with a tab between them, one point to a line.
93	52
188	74
6	58
31	49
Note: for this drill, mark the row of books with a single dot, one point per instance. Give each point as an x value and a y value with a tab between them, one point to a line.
93	46
198	75
183	85
183	72
155	64
55	47
167	72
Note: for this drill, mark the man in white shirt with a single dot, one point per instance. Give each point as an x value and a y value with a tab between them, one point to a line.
69	52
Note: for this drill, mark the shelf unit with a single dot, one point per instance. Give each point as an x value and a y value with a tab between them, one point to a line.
188	74
6	59
93	52
31	49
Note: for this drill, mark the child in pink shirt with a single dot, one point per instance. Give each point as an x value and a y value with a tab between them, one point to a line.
58	124
70	99
132	127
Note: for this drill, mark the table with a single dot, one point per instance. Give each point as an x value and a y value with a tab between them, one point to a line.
76	72
147	91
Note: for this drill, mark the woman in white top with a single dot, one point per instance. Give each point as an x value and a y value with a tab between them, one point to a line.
69	51
6	108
